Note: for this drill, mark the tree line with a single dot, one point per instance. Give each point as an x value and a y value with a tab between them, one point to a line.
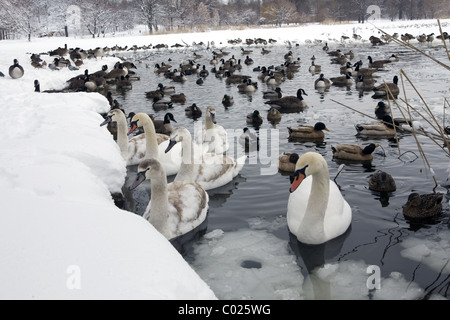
98	17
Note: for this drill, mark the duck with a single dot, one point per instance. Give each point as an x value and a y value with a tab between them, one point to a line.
158	93
381	91
176	208
384	128
16	70
322	82
254	118
354	152
290	103
132	150
209	170
287	161
160	104
166	89
423	206
178	98
307	132
164	126
171	161
343	81
365	83
193	111
317	212
273	94
249	140
382	181
212	135
274	115
227	100
382	110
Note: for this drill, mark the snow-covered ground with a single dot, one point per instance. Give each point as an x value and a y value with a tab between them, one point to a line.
61	236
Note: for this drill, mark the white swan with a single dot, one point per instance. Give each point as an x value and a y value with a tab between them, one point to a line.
317	211
175	208
211	134
170	161
208	169
132	150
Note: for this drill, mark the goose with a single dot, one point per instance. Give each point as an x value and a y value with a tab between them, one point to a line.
159	104
366	72
204	73
123	83
116	73
354	152
155	94
273	94
287	161
249	140
382	181
132	150
384	128
164	126
193	111
227	100
381	91
235	78
178	98
248	61
247	86
176	208
365	83
274	115
394	58
180	78
314	69
377	64
290	103
423	206
317	212
322	82
207	169
382	110
37	86
171	161
16	70
212	135
343	81
348	68
308	132
254	119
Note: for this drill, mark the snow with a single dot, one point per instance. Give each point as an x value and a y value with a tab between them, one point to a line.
62	237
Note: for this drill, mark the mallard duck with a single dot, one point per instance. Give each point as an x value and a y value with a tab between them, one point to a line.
381	91
382	182
178	98
290	103
353	152
16	70
166	89
175	208
384	128
193	111
274	116
322	82
317	212
287	161
423	206
273	94
158	93
227	100
254	119
308	132
382	110
343	81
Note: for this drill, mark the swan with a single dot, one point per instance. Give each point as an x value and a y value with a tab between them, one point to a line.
171	161
317	211
211	134
176	208
132	150
208	169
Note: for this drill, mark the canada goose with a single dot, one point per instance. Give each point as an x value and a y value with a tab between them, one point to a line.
60	51
162	68
175	208
348	68
423	206
290	104
342	59
366	72
164	126
247	86
274	116
353	152
394	58
178	98
193	111
180	78
381	91
116	73
37	86
422	38
326	47
313	69
204	73
343	81
248	61
235	78
16	70
227	100
308	133
382	182
265	51
287	161
124	83
377	64
158	93
254	119
246	52
382	110
317	212
322	82
273	94
365	83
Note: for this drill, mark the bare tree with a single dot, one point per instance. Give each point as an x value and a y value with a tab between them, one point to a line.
20	16
151	11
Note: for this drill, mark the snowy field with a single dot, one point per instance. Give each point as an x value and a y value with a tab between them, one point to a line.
61	236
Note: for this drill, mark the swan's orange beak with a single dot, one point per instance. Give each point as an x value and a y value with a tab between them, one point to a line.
298	178
133	127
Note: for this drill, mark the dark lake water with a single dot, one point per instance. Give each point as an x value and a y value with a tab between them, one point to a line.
255	256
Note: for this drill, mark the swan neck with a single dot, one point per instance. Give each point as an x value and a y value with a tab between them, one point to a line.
159	204
151	144
122	137
187	162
